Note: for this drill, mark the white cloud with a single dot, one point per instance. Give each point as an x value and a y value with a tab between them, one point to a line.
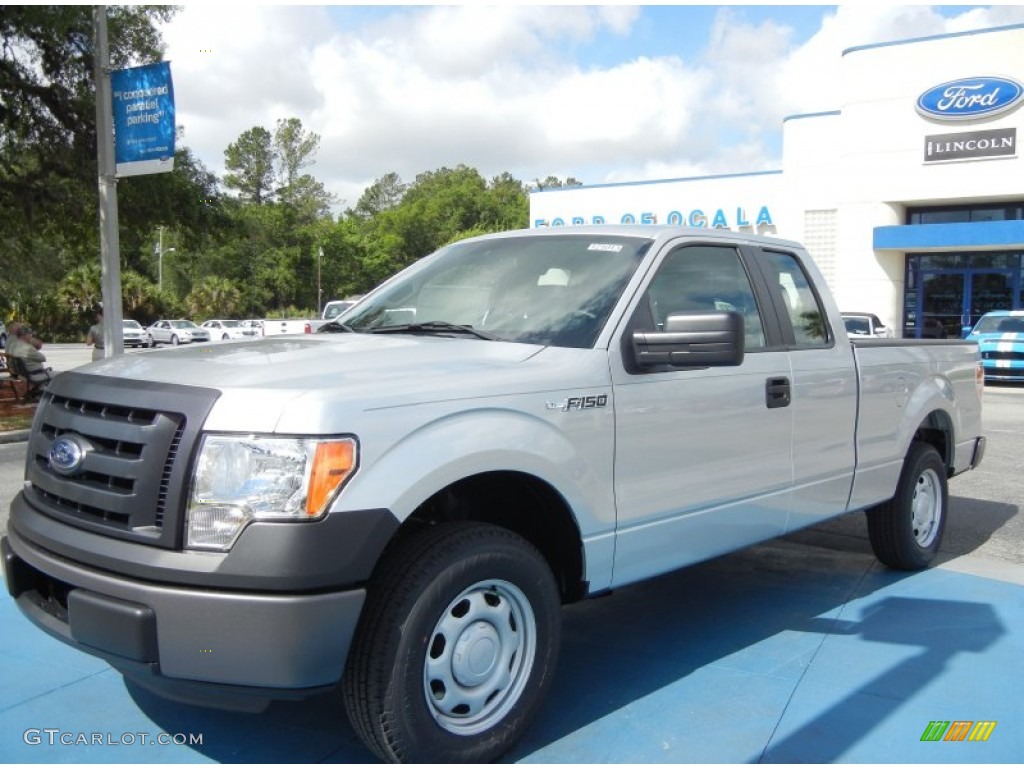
498	88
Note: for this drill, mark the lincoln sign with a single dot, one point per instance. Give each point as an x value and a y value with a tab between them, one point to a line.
970	146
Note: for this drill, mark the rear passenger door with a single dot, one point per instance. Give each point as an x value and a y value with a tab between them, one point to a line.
703	461
824	387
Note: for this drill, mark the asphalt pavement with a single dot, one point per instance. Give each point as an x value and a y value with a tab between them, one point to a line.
799	650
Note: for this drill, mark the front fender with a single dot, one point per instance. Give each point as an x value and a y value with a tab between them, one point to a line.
575	461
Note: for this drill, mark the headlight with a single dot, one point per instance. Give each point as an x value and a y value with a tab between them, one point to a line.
239	479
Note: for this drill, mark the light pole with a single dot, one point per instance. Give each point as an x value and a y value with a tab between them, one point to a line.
160	260
319	290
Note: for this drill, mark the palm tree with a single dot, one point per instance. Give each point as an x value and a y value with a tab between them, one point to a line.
214	297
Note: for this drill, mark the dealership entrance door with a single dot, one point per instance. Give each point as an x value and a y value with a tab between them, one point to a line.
947	293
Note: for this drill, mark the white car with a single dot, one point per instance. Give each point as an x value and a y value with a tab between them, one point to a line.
256	326
176	332
134	334
224	330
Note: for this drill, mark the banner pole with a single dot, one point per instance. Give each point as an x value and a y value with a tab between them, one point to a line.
110	252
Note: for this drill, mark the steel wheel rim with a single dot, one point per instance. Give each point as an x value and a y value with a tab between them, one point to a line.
926	508
479	657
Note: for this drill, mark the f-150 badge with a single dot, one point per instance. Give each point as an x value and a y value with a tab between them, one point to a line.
582	403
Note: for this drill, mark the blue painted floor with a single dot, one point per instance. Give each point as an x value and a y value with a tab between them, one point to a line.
784	653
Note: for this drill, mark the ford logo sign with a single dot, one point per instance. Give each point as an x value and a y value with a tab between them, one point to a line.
970	98
67	454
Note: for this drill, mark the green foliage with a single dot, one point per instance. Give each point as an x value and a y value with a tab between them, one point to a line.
250	161
214	297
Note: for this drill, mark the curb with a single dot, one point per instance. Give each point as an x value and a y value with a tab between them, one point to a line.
14	436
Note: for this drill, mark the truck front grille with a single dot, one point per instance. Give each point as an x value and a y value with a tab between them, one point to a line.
139	437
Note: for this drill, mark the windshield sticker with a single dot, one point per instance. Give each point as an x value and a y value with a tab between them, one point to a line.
612	247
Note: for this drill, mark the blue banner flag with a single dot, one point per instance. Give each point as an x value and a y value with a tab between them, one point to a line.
143	119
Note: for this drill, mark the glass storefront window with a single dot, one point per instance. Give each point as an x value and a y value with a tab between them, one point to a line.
953	214
946	293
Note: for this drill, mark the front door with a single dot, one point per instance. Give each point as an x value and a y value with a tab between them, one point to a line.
953	300
703	457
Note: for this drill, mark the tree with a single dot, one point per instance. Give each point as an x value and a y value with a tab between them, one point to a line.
214	297
251	162
48	196
383	195
294	148
553	182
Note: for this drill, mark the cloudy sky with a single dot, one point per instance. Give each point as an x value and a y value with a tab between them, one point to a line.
601	93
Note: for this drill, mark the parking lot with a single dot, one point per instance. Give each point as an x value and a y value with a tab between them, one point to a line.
802	649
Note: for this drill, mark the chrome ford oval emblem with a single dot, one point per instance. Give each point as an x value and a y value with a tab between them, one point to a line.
66	455
970	98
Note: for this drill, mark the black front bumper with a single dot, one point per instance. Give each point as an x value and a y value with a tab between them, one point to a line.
272	618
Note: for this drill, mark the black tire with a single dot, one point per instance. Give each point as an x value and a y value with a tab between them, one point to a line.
225	337
408	694
174	340
906	531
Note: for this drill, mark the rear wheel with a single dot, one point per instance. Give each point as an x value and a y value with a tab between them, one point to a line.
456	648
906	531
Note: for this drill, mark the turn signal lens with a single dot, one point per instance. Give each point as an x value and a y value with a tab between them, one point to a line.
332	464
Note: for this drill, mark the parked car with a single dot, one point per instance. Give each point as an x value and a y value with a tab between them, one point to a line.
134	334
229	329
256	326
1000	336
334	308
176	332
862	324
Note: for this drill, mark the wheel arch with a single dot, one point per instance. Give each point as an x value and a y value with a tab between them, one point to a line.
937	430
516	501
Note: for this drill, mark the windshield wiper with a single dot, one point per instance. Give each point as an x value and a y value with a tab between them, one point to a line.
433	326
333	326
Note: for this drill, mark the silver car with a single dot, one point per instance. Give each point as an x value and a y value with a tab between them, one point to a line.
175	332
134	334
228	329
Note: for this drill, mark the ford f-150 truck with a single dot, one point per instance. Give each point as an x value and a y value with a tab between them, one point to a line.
400	503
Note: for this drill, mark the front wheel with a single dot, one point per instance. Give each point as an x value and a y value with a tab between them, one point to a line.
174	341
456	647
906	531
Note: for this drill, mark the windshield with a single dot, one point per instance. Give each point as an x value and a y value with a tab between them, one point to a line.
183	324
132	324
857	325
230	323
1000	324
556	290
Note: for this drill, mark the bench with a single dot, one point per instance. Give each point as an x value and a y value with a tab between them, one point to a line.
35	382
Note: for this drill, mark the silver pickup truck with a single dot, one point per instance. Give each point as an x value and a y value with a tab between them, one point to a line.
401	503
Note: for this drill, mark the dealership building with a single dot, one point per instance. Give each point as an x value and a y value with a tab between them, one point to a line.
909	195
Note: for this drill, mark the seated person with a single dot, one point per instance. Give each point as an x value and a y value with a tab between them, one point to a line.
22	344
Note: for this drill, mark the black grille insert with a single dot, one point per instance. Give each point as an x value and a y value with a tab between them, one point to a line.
133	475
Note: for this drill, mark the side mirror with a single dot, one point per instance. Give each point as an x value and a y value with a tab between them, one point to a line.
692	340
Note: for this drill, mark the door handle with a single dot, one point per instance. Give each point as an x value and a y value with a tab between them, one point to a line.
777	392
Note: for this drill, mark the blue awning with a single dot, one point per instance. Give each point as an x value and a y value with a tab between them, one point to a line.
978	234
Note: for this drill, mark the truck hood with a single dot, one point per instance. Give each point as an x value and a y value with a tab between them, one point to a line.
294	382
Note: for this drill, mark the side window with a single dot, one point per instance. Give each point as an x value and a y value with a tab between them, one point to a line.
799	304
703	278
